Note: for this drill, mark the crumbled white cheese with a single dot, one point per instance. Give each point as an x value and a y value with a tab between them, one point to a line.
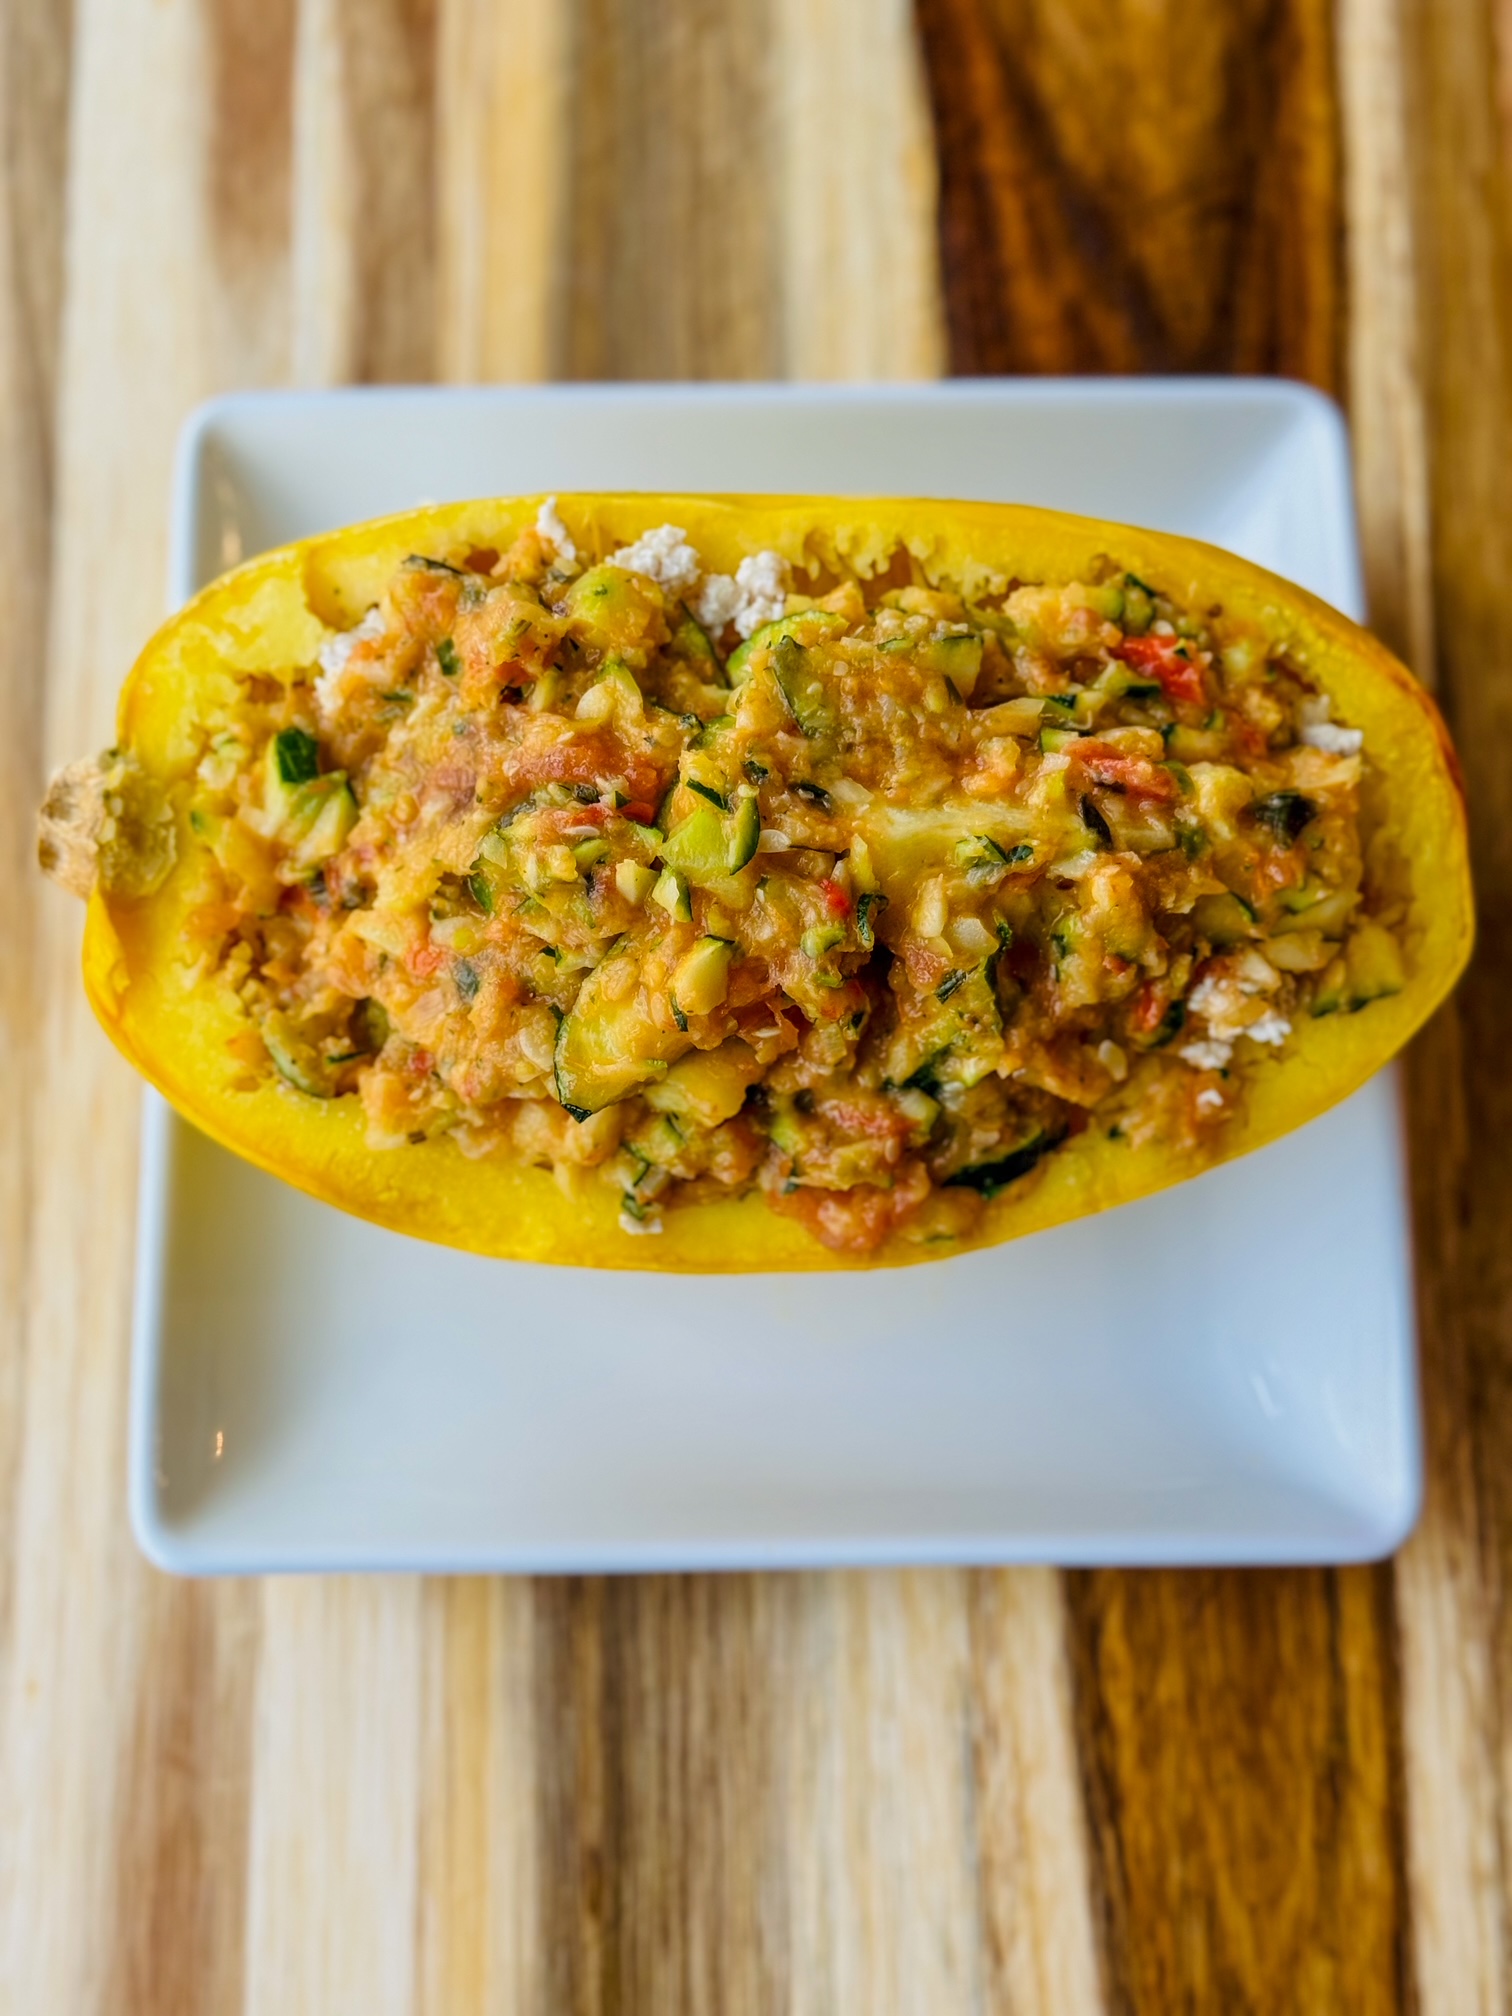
1271	1028
665	555
1208	1098
1319	732
718	603
335	652
1227	998
555	534
755	594
1212	1055
1334	741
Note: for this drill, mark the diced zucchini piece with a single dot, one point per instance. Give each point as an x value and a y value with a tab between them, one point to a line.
607	1045
691	642
1054	739
707	1086
709	845
296	1062
867	907
671	892
613	696
738	664
959	658
614	607
290	763
1225	919
1374	961
697	847
296	756
991	1177
327	811
634	882
802	688
1332	991
983	859
662	1141
1328	911
701	978
953	1035
1138	606
821	939
745	832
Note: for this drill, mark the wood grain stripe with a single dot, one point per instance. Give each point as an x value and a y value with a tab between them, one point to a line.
335	1823
34	60
855	160
1456	1650
79	1630
502	138
1037	1879
1136	185
669	242
1384	375
243	53
1238	1744
364	171
180	1866
480	1906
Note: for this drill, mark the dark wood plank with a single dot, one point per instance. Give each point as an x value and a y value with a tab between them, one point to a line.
1238	1747
1137	187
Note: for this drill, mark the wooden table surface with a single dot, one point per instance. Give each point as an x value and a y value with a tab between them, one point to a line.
1007	1792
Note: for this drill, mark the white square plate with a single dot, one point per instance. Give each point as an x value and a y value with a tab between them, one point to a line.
1222	1373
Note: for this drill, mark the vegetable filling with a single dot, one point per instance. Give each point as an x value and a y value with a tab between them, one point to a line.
854	892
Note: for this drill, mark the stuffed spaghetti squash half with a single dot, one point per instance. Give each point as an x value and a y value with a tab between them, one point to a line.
732	883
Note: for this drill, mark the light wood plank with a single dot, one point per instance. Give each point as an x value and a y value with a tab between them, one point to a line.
502	161
855	151
335	1825
1442	1601
1384	374
34	62
480	1904
1037	1879
112	1671
1457	1674
364	192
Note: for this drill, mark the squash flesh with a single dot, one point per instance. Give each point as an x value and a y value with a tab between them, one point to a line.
274	613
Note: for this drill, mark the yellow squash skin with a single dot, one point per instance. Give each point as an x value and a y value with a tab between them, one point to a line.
273	613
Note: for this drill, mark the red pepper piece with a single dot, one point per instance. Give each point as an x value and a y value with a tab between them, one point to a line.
1164	659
